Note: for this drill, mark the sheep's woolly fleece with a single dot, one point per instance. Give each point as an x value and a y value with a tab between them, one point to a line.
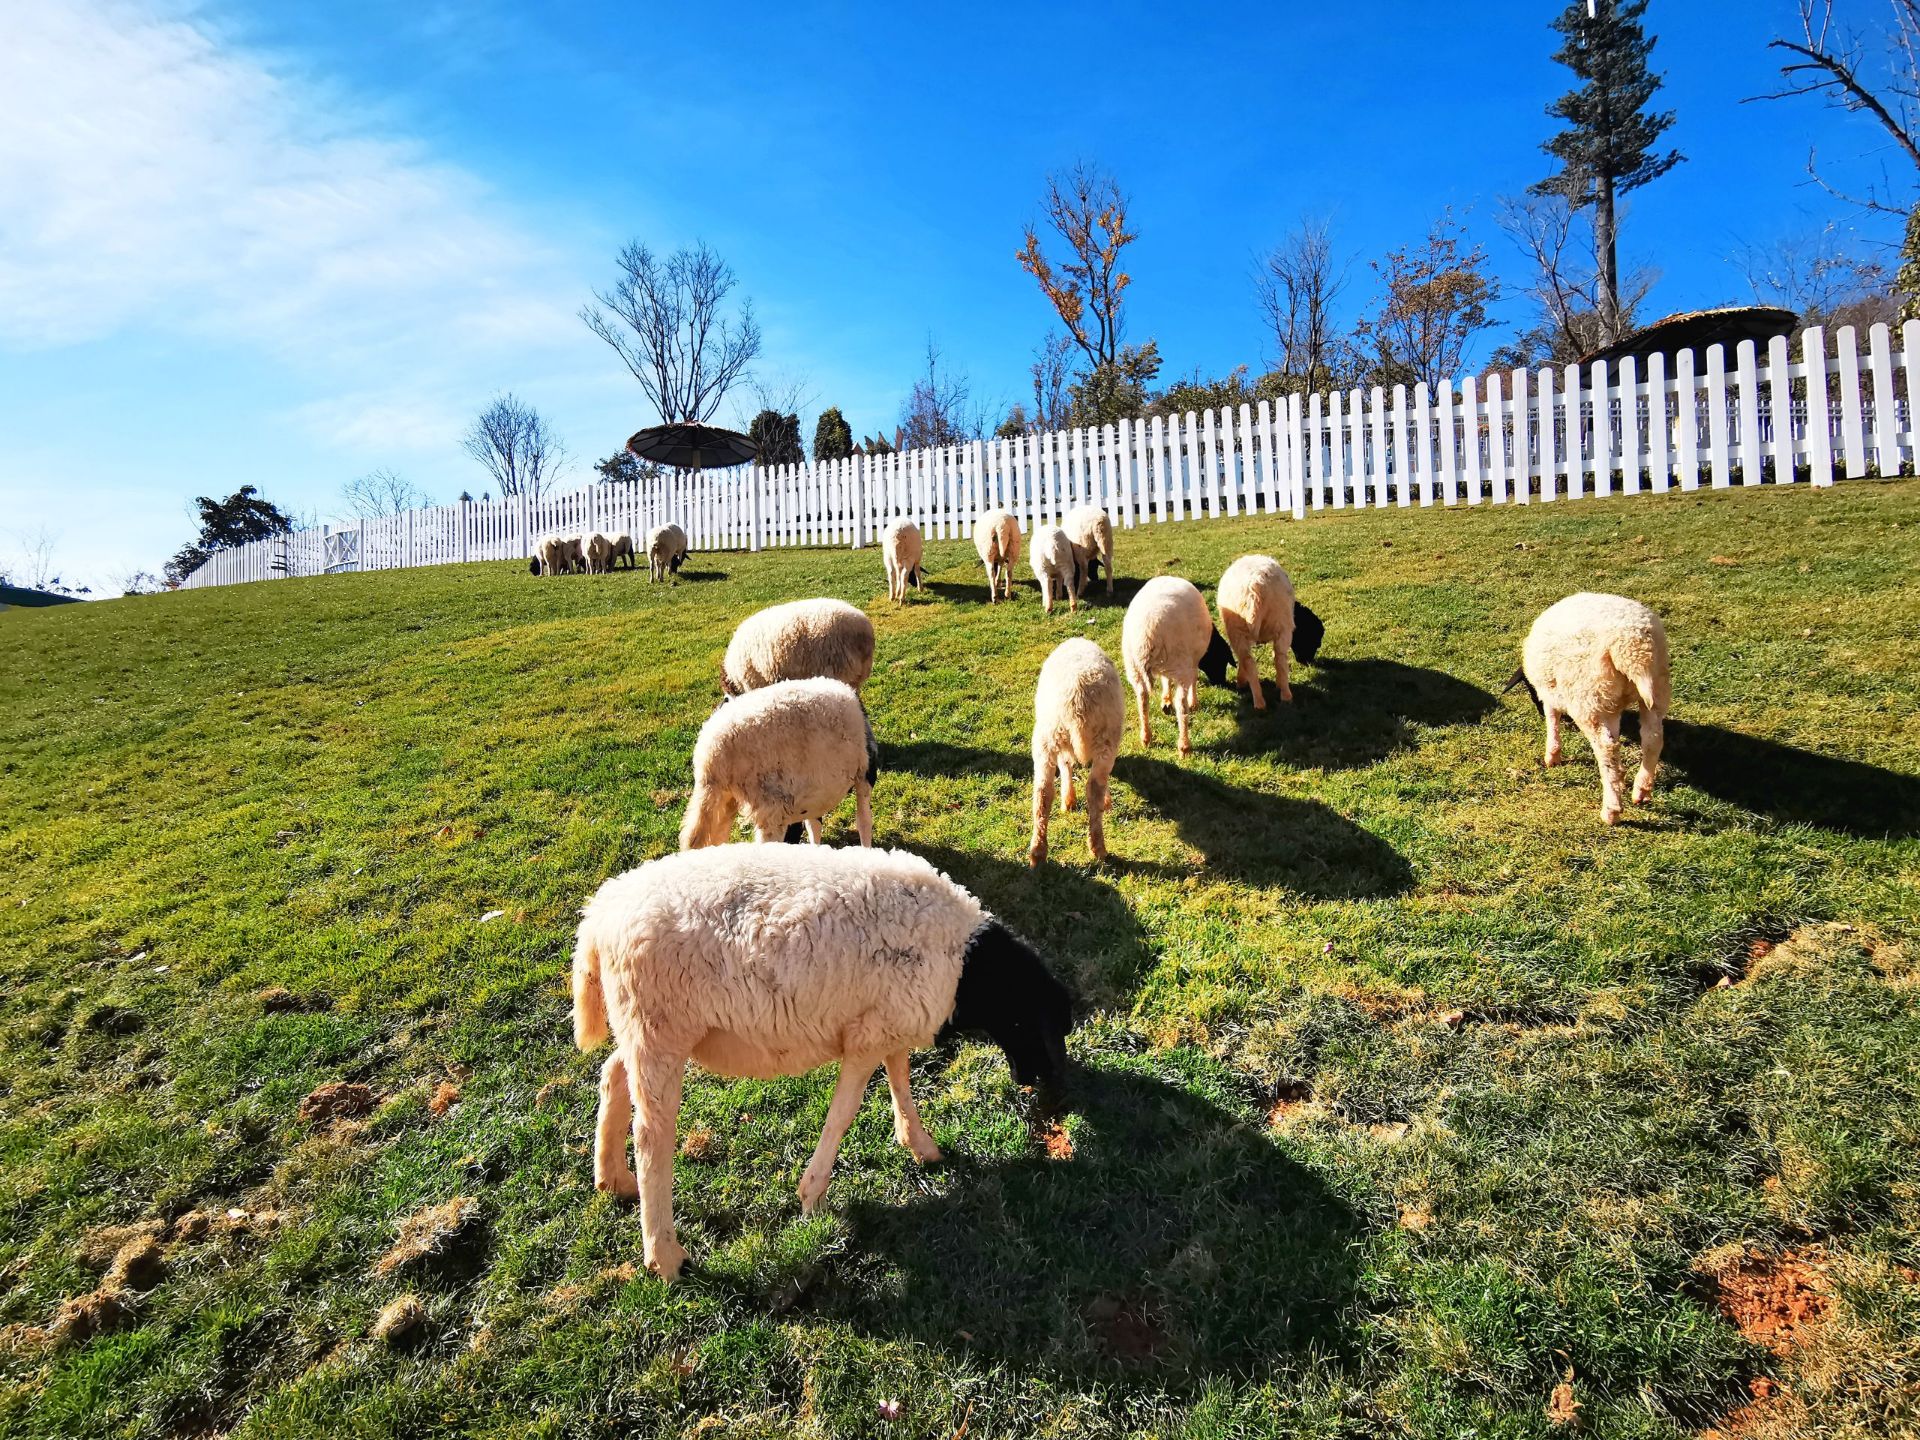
773	960
1051	556
786	752
1256	608
798	641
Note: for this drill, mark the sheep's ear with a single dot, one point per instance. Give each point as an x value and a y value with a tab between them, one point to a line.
533	566
1515	681
1519	677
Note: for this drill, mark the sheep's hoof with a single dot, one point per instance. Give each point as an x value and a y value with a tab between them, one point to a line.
1259	702
923	1148
665	1260
1069	800
625	1186
1642	791
1609	814
1037	856
812	1191
1185	748
1166	707
1286	696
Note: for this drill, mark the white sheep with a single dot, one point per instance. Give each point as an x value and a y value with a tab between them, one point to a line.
900	548
1051	556
599	548
1255	597
786	754
666	551
1091	531
1592	657
1079	715
996	537
798	641
622	550
558	555
1168	633
775	960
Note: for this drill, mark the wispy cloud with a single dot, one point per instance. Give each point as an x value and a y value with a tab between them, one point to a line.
154	175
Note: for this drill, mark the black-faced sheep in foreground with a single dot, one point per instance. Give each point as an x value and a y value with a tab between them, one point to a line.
1091	532
1169	634
786	755
666	551
900	549
768	960
798	641
996	538
1052	560
1592	657
1079	715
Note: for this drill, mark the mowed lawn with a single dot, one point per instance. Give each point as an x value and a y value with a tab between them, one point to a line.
1411	1100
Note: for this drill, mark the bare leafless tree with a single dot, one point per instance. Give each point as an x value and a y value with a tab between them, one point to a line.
1052	375
1298	282
1085	207
1820	277
1875	73
667	326
1563	278
382	492
936	411
517	447
36	569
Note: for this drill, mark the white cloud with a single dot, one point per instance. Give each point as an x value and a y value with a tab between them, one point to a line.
153	175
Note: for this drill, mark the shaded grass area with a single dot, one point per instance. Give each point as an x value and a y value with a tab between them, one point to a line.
1409	1092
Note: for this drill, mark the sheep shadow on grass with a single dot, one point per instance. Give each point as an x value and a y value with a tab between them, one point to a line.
1352	713
1261	839
1178	1242
1788	784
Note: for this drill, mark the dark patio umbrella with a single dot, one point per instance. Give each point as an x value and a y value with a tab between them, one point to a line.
691	447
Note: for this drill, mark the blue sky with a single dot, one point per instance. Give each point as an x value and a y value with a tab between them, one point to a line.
286	244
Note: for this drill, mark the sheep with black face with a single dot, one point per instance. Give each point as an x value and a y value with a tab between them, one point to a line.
1168	633
775	960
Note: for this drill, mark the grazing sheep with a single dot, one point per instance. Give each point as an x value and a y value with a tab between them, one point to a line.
1091	532
1592	657
1257	608
900	548
622	550
1052	561
599	553
1079	715
798	641
786	754
774	960
996	536
666	551
1168	633
558	555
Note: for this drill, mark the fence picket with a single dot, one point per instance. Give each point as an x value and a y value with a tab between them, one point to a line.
1601	404
1628	384
1686	409
1717	415
1747	443
1887	454
1852	433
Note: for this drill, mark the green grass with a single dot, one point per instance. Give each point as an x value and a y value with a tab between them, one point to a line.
1515	1108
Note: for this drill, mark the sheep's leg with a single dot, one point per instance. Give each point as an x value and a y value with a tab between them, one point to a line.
1142	686
907	1128
813	832
1067	798
852	1085
1249	667
863	810
1183	698
1605	740
656	1083
1106	558
1653	737
1043	777
1046	594
1166	695
1282	669
1553	735
611	1172
1099	800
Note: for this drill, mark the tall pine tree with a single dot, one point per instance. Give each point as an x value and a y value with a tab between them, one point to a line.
1609	145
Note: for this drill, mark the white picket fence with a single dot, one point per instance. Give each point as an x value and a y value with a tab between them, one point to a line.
1816	408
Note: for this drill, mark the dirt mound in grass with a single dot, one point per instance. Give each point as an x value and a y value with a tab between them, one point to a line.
1125	1330
435	1232
1773	1300
336	1100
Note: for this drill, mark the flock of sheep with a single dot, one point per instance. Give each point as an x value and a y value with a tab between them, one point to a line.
597	553
770	960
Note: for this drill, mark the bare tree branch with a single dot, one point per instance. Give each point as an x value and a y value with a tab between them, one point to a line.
382	492
667	328
517	447
1298	282
1086	208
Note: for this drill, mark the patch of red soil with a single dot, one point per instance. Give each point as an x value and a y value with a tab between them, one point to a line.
1760	1417
1775	1300
1562	1407
444	1098
1059	1142
336	1100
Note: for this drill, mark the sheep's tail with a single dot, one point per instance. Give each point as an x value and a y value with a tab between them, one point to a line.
589	1004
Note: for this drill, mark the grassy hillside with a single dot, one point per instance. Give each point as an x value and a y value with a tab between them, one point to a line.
1413	1100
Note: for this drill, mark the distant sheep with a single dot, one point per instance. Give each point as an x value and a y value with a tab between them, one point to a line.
774	960
1257	608
798	641
622	550
558	555
1052	561
599	553
996	537
1169	634
1593	657
786	754
1091	532
666	551
900	548
1079	715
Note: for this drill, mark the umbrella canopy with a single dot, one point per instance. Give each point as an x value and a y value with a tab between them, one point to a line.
1697	329
691	447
